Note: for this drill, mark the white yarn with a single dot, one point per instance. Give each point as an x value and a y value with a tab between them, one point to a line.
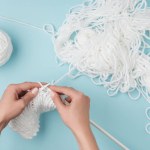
5	47
106	40
27	123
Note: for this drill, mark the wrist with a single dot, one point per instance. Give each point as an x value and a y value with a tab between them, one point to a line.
3	122
86	139
81	130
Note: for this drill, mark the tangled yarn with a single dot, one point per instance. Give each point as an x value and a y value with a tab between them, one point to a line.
107	41
27	123
5	47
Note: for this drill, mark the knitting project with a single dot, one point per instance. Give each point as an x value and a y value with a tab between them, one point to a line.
5	47
107	40
27	123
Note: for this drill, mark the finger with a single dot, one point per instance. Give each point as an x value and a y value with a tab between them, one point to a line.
65	90
57	101
27	86
21	94
68	99
29	96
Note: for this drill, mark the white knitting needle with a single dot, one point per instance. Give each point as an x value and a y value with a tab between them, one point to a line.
63	97
55	82
58	80
92	122
108	135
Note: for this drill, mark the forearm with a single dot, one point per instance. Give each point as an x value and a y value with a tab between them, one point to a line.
75	115
86	139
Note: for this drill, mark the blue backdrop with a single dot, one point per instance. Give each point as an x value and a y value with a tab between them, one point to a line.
33	59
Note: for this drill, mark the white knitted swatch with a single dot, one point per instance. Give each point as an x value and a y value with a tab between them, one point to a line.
5	47
27	123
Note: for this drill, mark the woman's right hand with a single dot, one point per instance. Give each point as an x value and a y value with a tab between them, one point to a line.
75	115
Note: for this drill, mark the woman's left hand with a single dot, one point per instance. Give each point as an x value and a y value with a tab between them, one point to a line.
15	98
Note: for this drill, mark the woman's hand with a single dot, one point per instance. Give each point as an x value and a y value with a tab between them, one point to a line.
75	115
77	111
15	99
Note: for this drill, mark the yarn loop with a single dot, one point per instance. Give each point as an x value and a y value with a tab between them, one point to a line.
107	41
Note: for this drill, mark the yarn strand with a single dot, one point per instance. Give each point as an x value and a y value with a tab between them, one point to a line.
20	22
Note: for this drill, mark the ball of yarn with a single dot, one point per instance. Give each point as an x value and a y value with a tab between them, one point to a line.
27	123
6	47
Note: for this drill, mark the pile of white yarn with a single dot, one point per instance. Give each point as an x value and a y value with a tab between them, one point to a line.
27	123
107	40
5	47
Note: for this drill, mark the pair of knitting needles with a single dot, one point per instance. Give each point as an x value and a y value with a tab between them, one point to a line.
98	127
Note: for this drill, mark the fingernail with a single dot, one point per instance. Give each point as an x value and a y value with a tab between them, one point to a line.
52	93
35	91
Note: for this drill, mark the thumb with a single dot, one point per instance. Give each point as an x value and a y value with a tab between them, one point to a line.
29	96
57	101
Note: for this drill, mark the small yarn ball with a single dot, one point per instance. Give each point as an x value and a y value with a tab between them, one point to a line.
6	48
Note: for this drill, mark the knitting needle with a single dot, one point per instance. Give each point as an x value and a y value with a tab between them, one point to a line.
108	135
55	82
63	97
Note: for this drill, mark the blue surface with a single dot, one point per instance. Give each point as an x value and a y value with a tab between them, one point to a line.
34	60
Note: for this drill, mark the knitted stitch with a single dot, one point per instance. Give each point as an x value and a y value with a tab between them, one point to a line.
27	123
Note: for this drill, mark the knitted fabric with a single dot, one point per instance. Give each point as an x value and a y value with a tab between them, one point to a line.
27	123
